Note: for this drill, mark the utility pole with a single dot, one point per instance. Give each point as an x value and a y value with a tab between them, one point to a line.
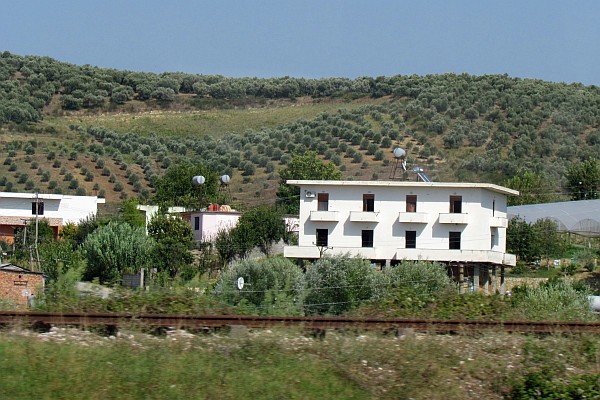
25	245
37	210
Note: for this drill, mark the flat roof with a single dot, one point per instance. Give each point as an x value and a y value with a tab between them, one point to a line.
46	196
408	184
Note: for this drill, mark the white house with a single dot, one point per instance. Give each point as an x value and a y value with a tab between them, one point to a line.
17	209
207	224
462	224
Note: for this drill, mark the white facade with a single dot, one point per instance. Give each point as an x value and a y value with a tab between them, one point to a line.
16	209
371	219
206	224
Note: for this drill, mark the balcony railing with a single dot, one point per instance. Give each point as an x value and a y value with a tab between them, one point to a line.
364	216
413	218
454	218
498	222
325	216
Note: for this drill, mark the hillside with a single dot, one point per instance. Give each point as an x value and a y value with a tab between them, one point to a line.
81	129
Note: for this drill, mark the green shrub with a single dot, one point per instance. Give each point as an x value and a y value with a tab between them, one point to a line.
273	286
114	249
542	385
340	283
556	300
586	258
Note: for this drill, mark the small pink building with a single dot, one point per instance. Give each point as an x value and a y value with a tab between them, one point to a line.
206	224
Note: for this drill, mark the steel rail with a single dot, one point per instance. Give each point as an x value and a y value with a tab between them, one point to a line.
184	321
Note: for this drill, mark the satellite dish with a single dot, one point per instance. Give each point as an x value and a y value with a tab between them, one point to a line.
198	180
225	179
399	153
240	283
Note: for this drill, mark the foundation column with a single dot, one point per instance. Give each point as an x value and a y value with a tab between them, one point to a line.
461	278
502	283
494	279
476	278
486	281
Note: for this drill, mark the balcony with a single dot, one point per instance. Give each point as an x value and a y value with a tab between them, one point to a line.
364	216
413	218
454	218
498	222
482	256
371	253
325	216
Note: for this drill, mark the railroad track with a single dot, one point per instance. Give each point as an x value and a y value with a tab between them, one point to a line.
46	320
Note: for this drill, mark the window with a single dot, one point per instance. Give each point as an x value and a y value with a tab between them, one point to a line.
494	237
322	236
456	204
369	202
454	240
197	223
367	238
323	202
411	239
39	210
411	203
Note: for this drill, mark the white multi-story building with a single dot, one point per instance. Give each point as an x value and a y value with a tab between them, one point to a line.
17	209
390	221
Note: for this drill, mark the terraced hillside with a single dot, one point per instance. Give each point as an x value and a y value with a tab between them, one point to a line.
71	129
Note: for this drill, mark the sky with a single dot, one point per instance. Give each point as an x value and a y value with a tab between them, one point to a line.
552	40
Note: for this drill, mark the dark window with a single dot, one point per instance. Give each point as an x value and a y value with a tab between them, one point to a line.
40	208
411	239
456	204
323	202
197	223
369	202
411	203
367	238
454	240
322	236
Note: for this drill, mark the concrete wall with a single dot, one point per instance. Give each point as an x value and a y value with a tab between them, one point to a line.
482	223
70	208
210	222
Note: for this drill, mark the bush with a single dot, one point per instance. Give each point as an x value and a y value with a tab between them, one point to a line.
586	258
114	249
543	385
273	286
556	300
339	284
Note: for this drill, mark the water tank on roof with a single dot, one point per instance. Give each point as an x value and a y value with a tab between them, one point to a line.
225	179
399	153
198	180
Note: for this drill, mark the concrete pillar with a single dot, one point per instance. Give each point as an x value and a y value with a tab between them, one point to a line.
502	283
494	279
486	281
476	278
388	263
461	278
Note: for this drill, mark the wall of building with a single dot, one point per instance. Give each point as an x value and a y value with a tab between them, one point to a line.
18	287
210	222
71	209
389	234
